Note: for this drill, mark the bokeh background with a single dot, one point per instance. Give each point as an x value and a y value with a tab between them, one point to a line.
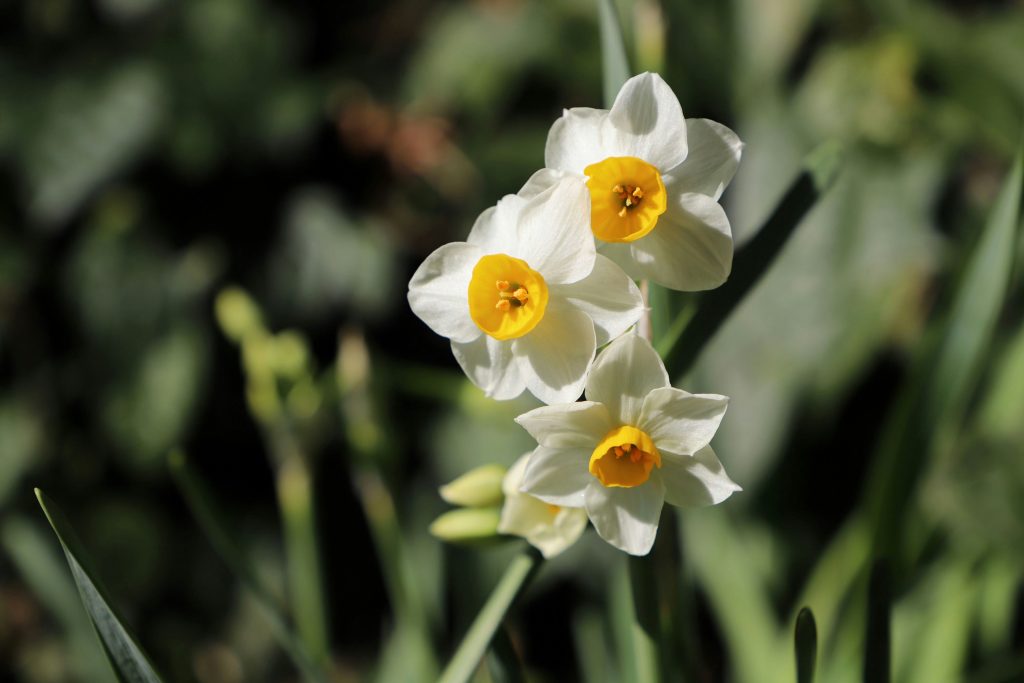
209	210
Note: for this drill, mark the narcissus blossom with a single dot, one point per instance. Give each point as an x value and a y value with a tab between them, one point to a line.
526	300
654	179
635	444
549	528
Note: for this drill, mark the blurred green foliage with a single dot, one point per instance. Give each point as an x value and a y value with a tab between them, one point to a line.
159	159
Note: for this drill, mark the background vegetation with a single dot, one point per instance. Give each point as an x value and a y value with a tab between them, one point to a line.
209	210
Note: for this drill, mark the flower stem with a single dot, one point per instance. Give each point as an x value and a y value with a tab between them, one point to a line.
476	641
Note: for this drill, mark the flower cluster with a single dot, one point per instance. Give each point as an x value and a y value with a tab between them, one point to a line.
546	277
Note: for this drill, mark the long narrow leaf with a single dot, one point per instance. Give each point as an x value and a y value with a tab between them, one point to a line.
129	661
751	262
615	64
806	644
947	371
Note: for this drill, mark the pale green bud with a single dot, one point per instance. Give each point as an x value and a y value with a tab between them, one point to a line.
480	487
237	314
289	354
467	525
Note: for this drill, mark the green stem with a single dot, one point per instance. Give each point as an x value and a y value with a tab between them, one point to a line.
305	575
476	641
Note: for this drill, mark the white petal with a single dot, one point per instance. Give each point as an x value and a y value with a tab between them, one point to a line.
693	481
438	291
553	234
491	365
558	475
574	141
569	425
539	182
568	526
513	478
554	358
608	296
522	515
621	254
711	162
495	228
679	421
647	122
691	247
625	372
626	518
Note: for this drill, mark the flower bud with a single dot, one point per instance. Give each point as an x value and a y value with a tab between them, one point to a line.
467	525
480	487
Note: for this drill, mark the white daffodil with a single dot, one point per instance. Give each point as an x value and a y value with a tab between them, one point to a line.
526	299
654	180
634	445
549	528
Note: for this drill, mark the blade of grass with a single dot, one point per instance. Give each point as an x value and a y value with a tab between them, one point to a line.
806	644
615	64
476	641
30	551
930	407
201	503
821	168
129	661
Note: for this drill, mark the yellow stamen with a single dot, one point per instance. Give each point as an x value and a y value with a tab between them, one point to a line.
502	285
503	305
521	294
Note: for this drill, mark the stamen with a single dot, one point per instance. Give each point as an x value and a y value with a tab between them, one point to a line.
502	285
618	189
618	452
503	305
622	213
521	294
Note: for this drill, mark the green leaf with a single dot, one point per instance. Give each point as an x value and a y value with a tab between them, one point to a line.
615	64
877	666
930	407
806	643
476	641
129	661
30	550
204	508
821	168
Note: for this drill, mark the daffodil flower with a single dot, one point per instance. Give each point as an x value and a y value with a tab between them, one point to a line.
526	300
635	444
549	528
655	179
